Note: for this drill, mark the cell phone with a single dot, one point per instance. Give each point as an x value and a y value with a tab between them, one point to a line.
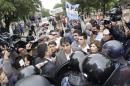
21	62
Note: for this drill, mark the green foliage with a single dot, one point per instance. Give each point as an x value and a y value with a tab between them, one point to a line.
12	10
45	12
19	8
59	5
87	5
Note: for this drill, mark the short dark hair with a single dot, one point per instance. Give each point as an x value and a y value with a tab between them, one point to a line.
84	35
29	58
65	40
93	22
98	27
51	32
52	43
41	50
67	30
77	31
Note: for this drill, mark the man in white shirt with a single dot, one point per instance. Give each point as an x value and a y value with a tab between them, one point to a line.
82	40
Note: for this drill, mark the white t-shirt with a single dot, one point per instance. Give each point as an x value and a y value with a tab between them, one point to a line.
85	49
68	55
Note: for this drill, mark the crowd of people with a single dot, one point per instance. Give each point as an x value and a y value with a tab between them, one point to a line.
60	57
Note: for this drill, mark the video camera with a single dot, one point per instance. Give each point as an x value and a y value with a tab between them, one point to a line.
106	21
115	13
6	41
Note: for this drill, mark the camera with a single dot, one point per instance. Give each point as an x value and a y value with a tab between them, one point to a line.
10	46
106	21
115	13
8	41
34	44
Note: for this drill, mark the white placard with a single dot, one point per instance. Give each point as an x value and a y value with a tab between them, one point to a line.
56	10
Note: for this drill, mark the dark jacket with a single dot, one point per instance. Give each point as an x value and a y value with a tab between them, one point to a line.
118	34
12	79
61	57
48	70
12	74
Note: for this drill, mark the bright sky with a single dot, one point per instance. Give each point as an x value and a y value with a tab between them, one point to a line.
49	4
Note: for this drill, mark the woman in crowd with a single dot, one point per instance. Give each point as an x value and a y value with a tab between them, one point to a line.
94	47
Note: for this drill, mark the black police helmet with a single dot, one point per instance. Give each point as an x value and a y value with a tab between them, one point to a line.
47	69
114	49
76	58
34	80
78	80
64	70
98	68
61	72
20	44
120	76
106	21
27	71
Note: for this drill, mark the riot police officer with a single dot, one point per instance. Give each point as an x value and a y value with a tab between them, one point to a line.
34	80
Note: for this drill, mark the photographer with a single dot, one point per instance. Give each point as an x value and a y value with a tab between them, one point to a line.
120	29
117	30
122	35
107	36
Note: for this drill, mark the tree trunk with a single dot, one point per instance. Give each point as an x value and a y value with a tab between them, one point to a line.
7	26
7	22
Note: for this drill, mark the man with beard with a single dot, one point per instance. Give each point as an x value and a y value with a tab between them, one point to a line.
52	45
106	36
21	50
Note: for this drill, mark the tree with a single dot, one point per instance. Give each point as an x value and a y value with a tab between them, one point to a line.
45	12
87	4
13	9
124	3
59	5
84	4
